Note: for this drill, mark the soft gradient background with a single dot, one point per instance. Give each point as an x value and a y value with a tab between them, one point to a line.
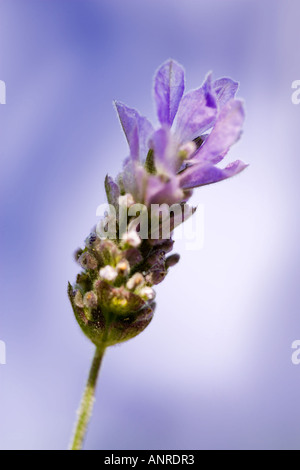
213	370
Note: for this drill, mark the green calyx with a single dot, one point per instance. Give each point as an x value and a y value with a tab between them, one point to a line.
107	328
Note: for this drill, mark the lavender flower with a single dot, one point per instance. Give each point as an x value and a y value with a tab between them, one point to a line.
196	132
113	297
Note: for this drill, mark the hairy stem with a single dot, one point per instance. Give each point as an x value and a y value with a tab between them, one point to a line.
87	402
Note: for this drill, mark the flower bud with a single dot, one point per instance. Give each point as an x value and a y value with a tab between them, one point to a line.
118	300
172	260
131	239
147	293
156	276
87	261
123	268
90	300
108	273
133	256
156	260
135	281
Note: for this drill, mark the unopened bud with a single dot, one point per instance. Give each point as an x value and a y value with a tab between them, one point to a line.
156	277
136	280
133	256
123	268
87	261
147	293
172	260
131	239
90	300
108	273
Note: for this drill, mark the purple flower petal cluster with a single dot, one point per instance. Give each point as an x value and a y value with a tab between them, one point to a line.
196	131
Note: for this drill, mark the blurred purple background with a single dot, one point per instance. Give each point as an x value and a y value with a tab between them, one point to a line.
213	370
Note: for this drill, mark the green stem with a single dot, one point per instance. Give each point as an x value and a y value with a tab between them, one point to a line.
87	402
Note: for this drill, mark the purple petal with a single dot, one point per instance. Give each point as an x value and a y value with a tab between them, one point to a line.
209	91
145	130
196	114
226	132
163	192
205	173
165	149
168	91
225	89
137	130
